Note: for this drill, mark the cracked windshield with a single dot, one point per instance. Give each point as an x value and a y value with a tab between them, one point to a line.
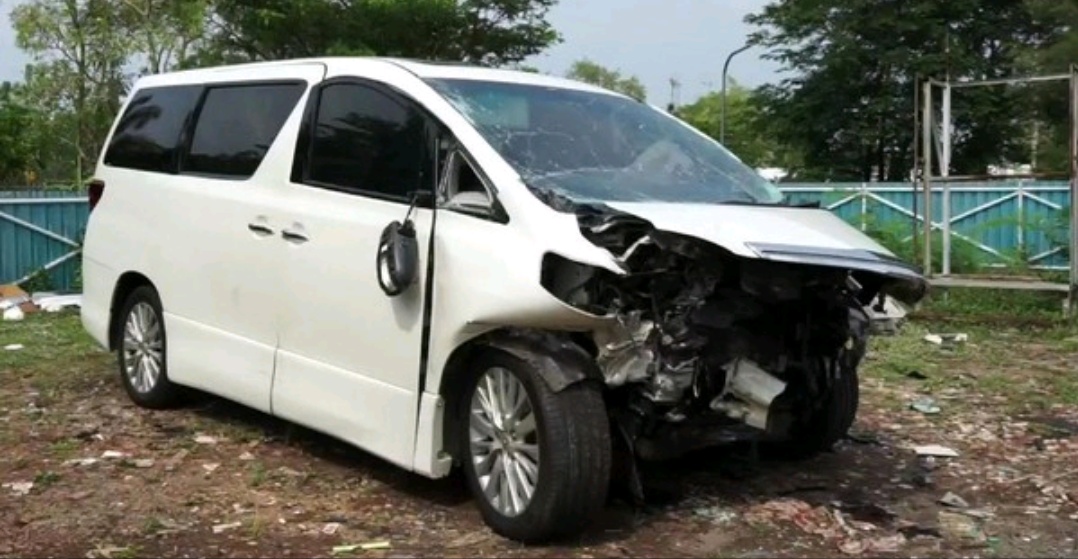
595	147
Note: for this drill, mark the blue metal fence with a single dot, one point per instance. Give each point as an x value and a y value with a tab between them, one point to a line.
41	231
1001	221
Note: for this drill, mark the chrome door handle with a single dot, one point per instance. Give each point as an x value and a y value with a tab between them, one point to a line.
294	236
259	229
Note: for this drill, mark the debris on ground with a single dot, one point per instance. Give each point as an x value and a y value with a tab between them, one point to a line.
205	439
143	463
946	339
719	515
916	375
81	462
952	500
56	302
113	454
219	528
13	314
20	488
331	528
936	450
14	347
955	525
351	548
925	405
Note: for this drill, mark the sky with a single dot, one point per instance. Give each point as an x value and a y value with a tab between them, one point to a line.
655	40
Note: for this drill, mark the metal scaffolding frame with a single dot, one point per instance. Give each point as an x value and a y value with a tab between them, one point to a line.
925	117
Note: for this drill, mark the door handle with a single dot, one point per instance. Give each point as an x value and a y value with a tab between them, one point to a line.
294	236
259	229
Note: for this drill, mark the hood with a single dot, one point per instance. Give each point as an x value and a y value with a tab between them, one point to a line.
810	236
737	228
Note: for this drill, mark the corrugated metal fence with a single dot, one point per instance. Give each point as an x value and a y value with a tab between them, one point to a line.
998	222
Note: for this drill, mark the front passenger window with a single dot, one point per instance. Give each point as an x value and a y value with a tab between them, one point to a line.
367	142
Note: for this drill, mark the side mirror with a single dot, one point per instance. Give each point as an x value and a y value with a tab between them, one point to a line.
397	261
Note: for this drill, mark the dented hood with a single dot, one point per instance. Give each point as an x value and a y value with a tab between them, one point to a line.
737	228
781	233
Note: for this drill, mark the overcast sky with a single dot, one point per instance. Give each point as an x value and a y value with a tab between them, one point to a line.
656	40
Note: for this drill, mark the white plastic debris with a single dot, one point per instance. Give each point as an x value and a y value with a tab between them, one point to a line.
113	454
56	303
81	462
217	529
20	488
331	528
210	468
14	313
205	439
13	347
936	450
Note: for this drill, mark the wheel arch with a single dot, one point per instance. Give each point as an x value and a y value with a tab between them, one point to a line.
561	358
127	283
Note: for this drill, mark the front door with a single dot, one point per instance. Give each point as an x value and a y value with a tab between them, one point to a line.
349	355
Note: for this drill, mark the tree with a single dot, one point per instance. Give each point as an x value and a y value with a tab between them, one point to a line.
595	74
17	135
77	74
164	33
485	32
747	132
850	105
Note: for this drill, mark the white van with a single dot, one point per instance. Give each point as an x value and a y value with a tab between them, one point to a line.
530	278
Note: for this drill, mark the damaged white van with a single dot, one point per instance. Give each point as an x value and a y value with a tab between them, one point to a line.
526	277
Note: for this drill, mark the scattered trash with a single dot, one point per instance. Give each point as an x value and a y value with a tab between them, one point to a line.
864	437
338	549
20	488
331	528
935	450
210	468
14	347
955	525
108	552
247	456
470	539
205	439
13	314
952	500
925	405
219	528
81	462
52	302
916	375
113	454
143	463
912	530
949	339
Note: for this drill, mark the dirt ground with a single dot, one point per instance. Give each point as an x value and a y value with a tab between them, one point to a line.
86	474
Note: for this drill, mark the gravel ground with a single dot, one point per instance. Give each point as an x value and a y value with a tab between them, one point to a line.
85	473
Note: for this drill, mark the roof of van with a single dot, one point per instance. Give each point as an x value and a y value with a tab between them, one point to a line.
422	69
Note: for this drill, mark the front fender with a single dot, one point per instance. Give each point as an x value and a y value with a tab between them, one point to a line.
559	360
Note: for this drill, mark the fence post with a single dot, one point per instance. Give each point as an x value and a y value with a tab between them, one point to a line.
1020	199
864	206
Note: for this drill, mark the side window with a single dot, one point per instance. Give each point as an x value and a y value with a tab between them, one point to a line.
364	140
148	134
237	126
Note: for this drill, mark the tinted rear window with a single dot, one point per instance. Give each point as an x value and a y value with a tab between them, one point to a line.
148	134
236	127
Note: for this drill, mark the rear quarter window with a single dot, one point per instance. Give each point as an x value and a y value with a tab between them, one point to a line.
236	126
148	134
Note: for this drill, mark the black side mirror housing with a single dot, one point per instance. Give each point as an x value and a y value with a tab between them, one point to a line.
398	258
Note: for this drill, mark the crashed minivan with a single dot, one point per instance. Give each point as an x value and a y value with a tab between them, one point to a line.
534	280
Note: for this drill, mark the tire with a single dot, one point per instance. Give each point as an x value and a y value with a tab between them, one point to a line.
830	423
571	433
141	346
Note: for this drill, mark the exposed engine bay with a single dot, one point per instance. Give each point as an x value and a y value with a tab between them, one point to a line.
707	347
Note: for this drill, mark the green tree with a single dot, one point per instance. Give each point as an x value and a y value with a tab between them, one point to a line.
77	74
485	32
595	74
164	34
17	137
747	132
849	106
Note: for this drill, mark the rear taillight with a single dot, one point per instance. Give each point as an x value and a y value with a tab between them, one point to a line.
97	189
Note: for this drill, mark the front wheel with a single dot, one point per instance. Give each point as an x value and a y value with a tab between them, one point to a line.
537	462
829	423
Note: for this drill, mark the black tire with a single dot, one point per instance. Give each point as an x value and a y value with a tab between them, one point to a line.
831	421
575	450
162	393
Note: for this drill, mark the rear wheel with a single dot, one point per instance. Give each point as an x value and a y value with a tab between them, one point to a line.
141	351
537	462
